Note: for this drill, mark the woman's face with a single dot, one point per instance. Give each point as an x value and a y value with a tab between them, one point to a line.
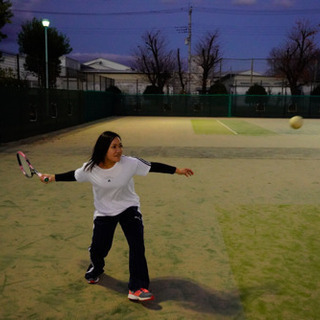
114	152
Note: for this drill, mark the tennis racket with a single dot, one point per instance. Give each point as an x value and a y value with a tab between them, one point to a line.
26	167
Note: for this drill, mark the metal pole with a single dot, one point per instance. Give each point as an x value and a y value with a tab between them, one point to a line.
251	72
189	50
46	52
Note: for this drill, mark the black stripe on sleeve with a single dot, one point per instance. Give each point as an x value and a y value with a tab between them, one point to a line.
67	176
144	161
162	168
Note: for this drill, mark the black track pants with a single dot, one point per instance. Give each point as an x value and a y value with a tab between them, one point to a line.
131	223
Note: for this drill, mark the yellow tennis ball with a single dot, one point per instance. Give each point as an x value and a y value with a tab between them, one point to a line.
296	122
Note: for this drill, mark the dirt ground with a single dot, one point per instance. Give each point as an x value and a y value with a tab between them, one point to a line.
45	230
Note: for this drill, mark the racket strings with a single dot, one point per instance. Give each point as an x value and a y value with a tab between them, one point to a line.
24	165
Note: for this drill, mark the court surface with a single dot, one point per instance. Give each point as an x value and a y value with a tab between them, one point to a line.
238	240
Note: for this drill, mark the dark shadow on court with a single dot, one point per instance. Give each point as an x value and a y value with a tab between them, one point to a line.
186	292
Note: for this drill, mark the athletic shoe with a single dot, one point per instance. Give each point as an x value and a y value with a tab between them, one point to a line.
92	280
140	295
91	276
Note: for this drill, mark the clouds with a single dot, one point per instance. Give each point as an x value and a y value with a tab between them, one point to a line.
244	2
274	3
24	5
284	3
249	28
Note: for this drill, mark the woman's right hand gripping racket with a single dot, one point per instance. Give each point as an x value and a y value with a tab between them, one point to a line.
27	169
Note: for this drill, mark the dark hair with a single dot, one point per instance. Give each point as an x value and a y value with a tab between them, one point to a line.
101	148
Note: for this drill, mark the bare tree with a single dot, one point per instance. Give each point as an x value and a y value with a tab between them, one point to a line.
208	55
294	59
154	60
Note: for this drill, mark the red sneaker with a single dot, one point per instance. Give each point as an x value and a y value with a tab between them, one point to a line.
140	295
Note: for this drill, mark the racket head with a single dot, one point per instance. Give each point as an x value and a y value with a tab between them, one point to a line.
25	165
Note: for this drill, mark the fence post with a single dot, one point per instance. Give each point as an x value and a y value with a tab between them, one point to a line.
229	105
18	67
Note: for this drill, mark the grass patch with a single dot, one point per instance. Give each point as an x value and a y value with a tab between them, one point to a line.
209	126
227	127
246	128
274	256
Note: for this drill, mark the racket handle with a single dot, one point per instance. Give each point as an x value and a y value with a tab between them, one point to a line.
46	179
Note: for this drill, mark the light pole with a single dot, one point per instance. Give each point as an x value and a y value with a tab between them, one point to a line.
46	23
189	49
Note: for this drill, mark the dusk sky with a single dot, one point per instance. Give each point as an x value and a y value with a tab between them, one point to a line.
113	28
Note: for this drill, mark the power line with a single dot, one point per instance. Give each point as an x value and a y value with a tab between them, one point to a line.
128	13
258	12
311	11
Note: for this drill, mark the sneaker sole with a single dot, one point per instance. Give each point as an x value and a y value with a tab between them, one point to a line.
93	281
135	298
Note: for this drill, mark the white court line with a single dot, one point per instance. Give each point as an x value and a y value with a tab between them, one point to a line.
234	132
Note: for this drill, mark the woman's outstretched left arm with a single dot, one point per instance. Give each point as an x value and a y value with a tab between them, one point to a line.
164	168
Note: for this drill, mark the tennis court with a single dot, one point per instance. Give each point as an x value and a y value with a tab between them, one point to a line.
238	240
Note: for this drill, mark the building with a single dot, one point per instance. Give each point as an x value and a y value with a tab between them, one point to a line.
240	82
125	78
13	66
71	75
99	74
96	75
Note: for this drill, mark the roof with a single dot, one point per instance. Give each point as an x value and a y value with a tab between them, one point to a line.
242	73
107	65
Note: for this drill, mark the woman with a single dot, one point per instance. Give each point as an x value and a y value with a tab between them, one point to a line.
115	200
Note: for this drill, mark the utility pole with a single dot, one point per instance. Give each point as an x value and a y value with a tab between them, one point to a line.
189	49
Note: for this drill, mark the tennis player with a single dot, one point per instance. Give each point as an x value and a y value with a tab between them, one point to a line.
111	175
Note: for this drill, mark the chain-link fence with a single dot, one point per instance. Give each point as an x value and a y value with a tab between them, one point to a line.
26	112
69	76
236	74
269	106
